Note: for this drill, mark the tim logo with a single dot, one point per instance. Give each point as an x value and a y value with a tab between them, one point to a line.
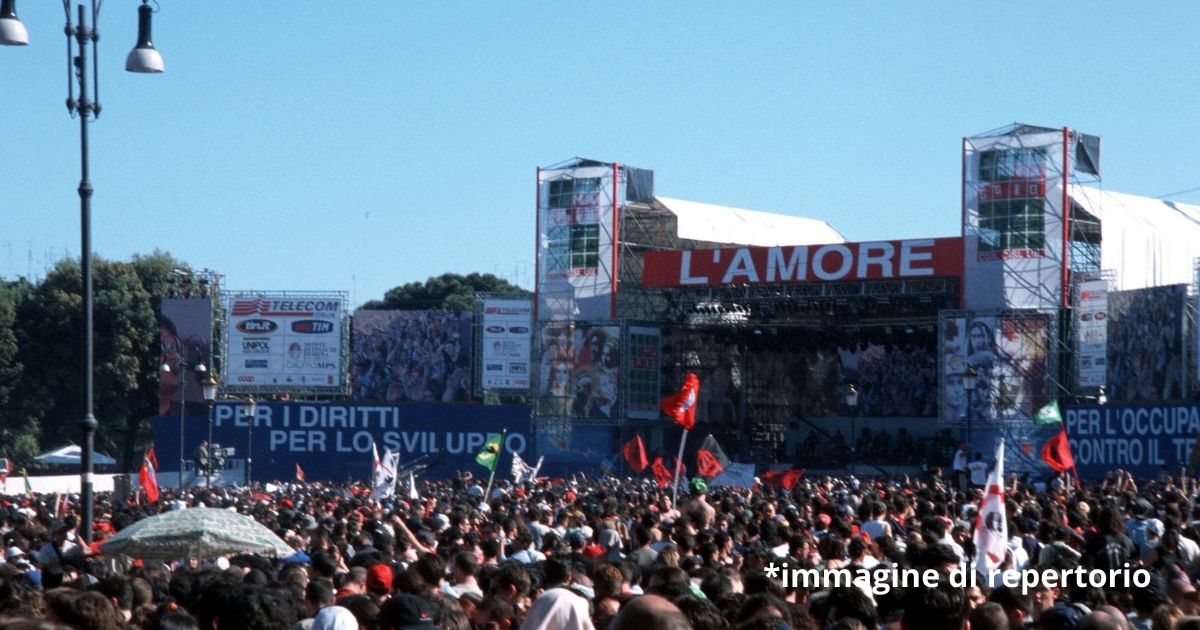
313	326
518	368
242	308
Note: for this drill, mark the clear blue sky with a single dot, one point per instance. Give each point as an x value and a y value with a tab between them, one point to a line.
356	146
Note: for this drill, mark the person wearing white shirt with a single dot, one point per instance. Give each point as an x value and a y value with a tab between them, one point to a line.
979	471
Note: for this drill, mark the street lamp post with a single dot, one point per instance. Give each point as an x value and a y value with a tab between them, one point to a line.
852	404
13	33
202	372
969	383
251	413
210	394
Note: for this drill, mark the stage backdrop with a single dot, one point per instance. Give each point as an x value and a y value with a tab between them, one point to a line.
332	441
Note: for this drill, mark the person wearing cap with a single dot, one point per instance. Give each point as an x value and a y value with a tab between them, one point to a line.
699	504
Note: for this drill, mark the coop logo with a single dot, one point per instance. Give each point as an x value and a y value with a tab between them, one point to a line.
260	364
518	330
257	326
256	345
312	326
495	329
245	378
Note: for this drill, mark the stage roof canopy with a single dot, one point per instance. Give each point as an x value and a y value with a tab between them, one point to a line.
737	226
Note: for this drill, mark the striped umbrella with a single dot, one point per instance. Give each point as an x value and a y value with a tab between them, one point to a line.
195	533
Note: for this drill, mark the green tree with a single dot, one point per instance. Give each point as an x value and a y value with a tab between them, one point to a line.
449	291
18	422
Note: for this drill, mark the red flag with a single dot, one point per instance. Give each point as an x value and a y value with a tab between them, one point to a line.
785	479
299	473
148	477
635	454
1057	452
681	406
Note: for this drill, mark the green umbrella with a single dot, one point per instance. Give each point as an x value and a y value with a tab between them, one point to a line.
195	533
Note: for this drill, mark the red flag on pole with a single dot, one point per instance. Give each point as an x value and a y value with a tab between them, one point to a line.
1057	452
681	406
148	477
635	454
299	473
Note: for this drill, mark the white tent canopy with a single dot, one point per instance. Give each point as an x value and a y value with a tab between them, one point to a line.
722	224
70	455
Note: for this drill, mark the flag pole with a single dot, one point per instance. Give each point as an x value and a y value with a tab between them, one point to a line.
678	465
488	493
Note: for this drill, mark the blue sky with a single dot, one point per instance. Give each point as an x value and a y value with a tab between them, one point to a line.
357	146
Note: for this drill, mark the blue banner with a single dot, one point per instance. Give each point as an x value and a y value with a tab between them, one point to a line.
1143	439
332	441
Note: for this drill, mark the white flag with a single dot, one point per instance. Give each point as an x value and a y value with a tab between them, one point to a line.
536	469
383	483
991	526
520	470
412	487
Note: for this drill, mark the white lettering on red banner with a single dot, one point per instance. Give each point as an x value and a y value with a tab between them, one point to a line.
880	260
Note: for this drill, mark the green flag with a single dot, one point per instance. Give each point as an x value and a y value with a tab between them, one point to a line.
1048	415
490	453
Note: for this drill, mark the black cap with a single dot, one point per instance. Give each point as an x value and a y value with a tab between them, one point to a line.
406	611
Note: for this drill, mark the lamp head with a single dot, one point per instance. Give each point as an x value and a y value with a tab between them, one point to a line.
209	385
852	396
12	31
144	57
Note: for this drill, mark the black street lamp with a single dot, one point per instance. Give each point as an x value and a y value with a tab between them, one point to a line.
251	414
852	404
201	371
210	394
146	59
969	383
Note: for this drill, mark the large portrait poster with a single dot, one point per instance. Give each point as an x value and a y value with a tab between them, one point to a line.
185	342
579	371
1005	353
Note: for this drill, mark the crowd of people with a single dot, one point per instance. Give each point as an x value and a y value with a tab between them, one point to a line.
603	552
412	356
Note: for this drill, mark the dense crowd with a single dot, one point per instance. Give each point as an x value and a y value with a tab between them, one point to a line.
597	552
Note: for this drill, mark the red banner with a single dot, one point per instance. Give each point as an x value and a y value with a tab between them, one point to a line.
836	262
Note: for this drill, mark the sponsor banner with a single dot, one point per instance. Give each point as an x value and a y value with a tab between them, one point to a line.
1012	196
880	260
332	441
1145	344
412	356
1007	353
506	337
185	341
281	342
643	390
576	218
579	371
1091	333
1143	439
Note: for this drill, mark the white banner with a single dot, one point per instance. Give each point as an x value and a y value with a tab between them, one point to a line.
1091	333
276	342
506	338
